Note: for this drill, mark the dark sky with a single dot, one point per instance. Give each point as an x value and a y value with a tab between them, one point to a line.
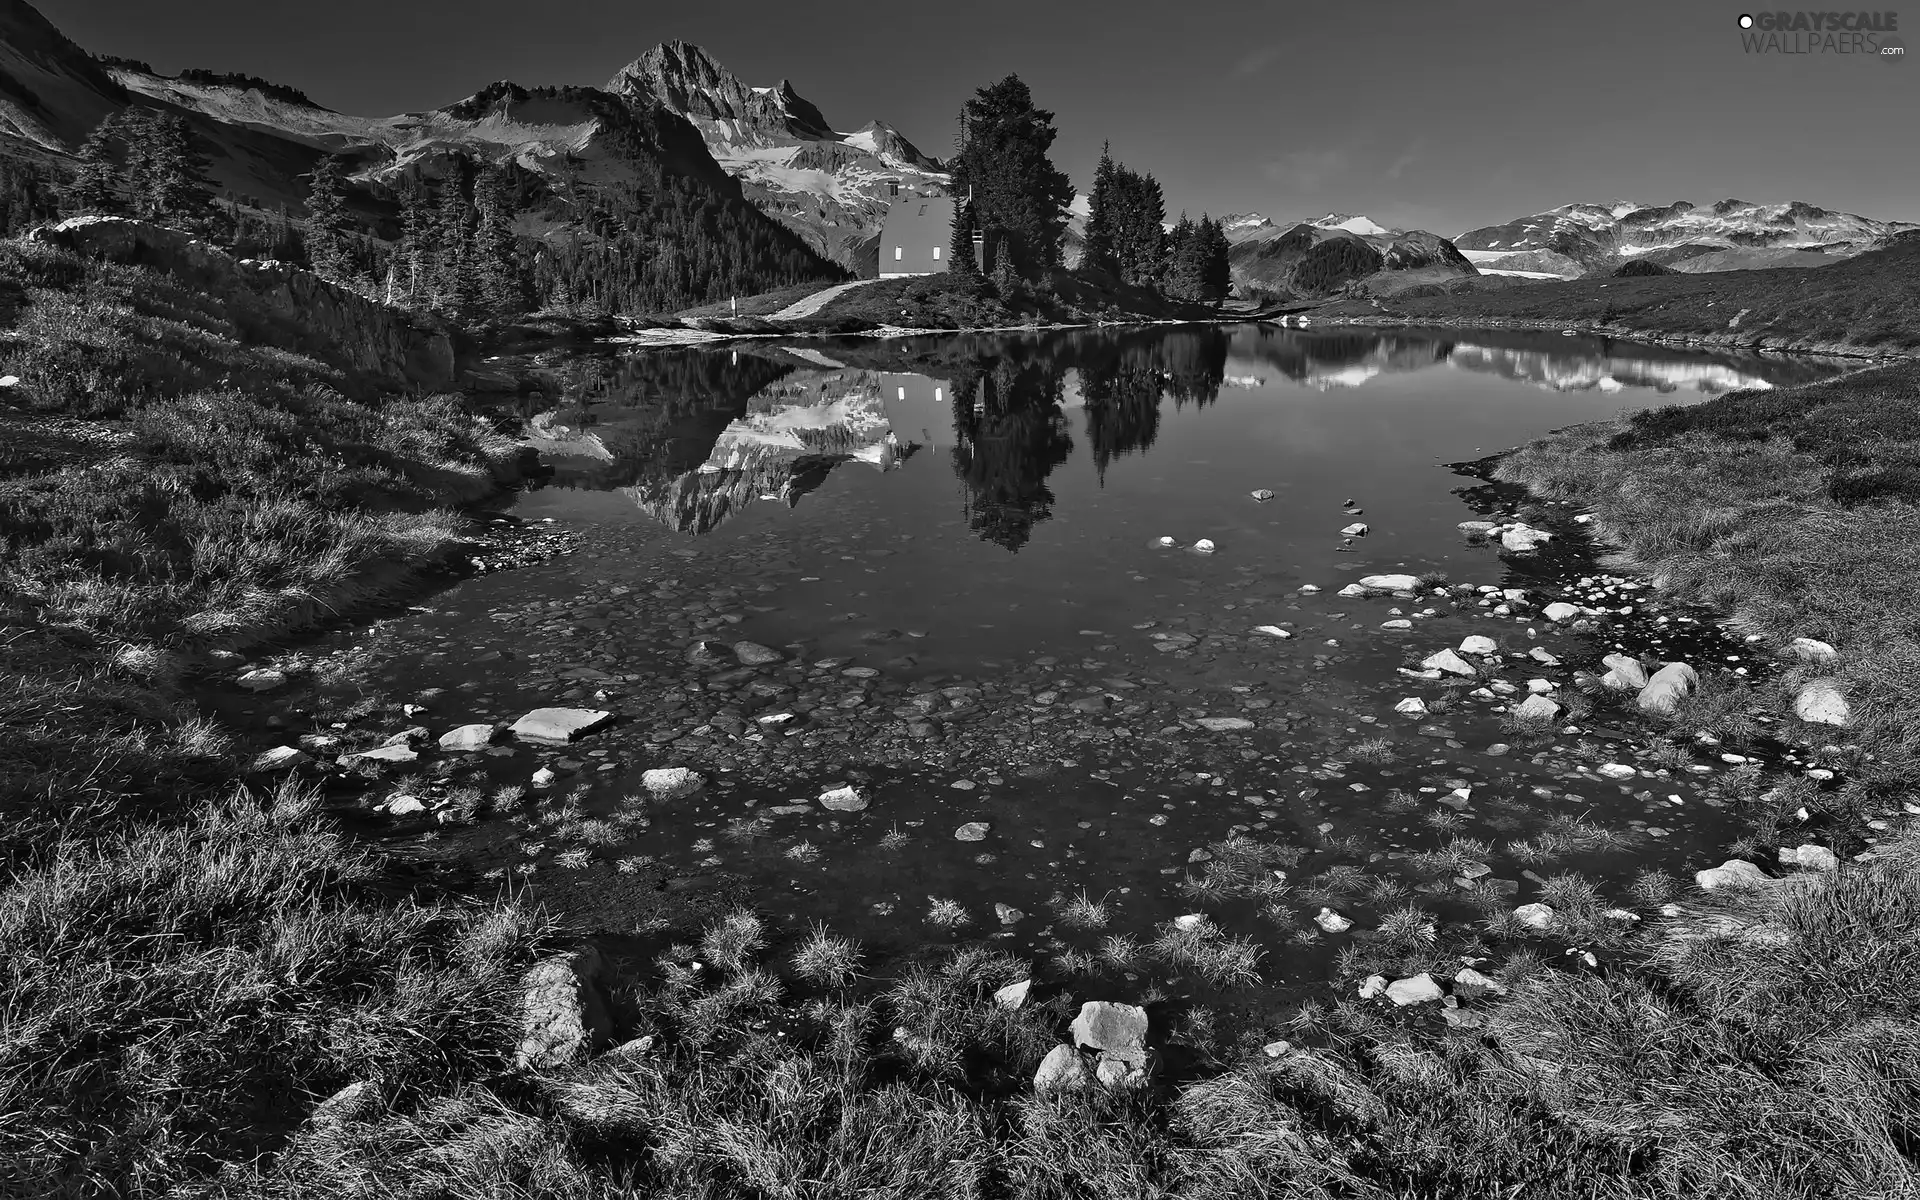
1431	115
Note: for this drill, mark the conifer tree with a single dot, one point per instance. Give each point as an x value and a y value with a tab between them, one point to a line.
1216	273
1099	250
417	239
453	269
96	186
960	259
1182	277
327	221
1017	191
176	185
498	280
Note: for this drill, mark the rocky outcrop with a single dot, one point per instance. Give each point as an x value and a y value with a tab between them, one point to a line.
563	1019
273	302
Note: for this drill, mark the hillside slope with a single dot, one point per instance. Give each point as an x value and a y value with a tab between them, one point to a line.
1323	257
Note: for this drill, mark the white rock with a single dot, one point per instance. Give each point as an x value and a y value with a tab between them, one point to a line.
558	726
401	753
1276	1049
1373	985
1477	984
1667	687
1308	589
280	758
1190	921
1204	545
467	737
1397	623
845	798
1810	856
1357	529
562	1016
1418	989
1166	541
1521	537
1447	660
7	381
1331	921
1536	708
263	680
1013	995
1351	590
1812	650
1540	687
1412	706
1624	674
1479	644
1273	631
1389	583
671	783
1534	916
1821	703
1223	724
972	831
1734	873
1543	656
1262	493
400	806
1478	528
1560	612
1618	771
1062	1070
1117	1031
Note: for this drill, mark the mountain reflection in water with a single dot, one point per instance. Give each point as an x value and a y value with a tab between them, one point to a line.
695	435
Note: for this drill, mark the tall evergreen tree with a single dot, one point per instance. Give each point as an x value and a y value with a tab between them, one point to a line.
417	238
176	184
1216	273
327	221
499	282
1017	190
960	259
453	282
1182	277
1099	249
97	184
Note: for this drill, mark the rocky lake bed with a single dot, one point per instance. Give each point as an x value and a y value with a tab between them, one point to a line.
754	669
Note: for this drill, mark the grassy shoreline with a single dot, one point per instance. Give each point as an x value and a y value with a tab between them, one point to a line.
192	967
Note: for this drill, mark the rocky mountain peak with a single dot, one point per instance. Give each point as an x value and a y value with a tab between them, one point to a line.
684	78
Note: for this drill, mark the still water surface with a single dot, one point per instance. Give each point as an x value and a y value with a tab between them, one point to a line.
954	544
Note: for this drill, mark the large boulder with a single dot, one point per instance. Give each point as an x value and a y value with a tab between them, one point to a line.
559	726
1734	873
1448	661
1536	708
1420	989
1389	583
753	654
1115	1030
271	302
1522	537
1822	703
1624	673
468	737
562	1017
671	783
1667	687
1062	1070
1812	650
1560	612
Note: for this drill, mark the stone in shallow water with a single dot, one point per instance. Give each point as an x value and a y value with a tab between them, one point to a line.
1223	724
1418	989
1389	583
753	654
1618	771
467	737
1479	644
1357	529
1734	873
1013	995
1534	916
1117	1031
558	726
1332	921
1560	612
972	831
1412	706
845	798
671	783
386	754
1537	708
280	758
1522	537
1666	687
1447	660
1810	856
264	680
1624	674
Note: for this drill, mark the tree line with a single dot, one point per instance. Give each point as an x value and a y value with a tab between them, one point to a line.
1015	201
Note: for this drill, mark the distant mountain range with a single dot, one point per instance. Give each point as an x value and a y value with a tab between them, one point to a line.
1326	254
1733	234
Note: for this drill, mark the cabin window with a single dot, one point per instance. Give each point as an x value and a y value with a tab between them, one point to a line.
896	254
903	393
936	254
937	397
